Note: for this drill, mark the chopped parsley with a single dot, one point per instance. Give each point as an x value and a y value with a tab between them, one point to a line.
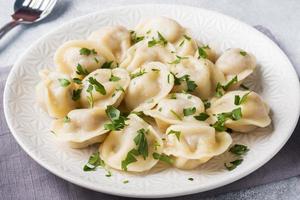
243	53
64	82
207	104
189	111
176	115
141	142
176	133
202	53
81	71
190	179
107	65
161	40
114	78
172	96
235	115
137	74
163	157
87	52
66	119
94	162
126	181
134	38
76	94
202	116
117	120
187	37
177	60
90	98
233	164
238	100
77	80
120	88
191	86
220	89
239	149
98	86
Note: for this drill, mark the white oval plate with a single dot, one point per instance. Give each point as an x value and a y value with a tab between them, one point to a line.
275	80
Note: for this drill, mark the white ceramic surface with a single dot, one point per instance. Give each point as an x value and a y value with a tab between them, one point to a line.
275	80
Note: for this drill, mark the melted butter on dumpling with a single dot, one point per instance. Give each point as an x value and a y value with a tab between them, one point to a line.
52	96
255	112
115	82
116	39
170	110
70	54
140	54
146	90
116	146
81	127
236	62
202	72
194	144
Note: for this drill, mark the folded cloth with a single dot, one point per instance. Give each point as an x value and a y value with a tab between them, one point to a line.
22	178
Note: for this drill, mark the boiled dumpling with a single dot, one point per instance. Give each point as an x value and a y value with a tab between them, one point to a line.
55	93
140	53
138	141
148	86
81	127
80	57
163	28
254	111
104	87
199	77
176	108
236	62
116	39
194	144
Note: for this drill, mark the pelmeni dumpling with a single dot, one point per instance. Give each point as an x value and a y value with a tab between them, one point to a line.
176	108
81	127
194	144
116	39
206	52
140	53
104	87
153	82
80	53
54	93
118	145
171	31
236	62
255	112
200	72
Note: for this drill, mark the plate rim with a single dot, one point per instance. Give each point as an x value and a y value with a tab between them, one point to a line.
77	181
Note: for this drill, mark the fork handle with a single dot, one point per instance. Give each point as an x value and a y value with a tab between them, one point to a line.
7	27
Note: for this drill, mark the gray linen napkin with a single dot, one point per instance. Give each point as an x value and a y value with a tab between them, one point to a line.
22	178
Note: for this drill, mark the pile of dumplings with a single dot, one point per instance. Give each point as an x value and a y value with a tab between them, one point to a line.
150	95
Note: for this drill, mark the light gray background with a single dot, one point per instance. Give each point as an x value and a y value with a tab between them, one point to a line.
282	17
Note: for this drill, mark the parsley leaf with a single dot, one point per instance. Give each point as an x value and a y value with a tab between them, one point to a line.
177	60
117	120
176	115
220	89
233	164
107	65
190	179
134	38
81	70
235	115
77	80
243	53
191	86
207	104
114	78
202	53
239	149
141	141
66	119
94	162
90	98
189	111
202	116
187	37
137	74
161	40
130	158
163	157
98	86
238	100
176	133
76	94
64	82
87	52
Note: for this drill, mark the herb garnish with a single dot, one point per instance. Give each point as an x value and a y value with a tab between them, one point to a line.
94	162
76	94
233	164
81	70
207	104
239	149
98	86
190	179
66	119
130	158
134	38
202	116
163	157
114	78
90	98
177	60
161	40
126	181
77	80
238	100
107	65
117	120
176	115
189	111
243	53
187	37
202	53
220	89
141	141
176	133
87	52
191	86
235	115
64	82
139	73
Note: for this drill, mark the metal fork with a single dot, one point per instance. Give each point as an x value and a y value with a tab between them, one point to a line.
27	12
